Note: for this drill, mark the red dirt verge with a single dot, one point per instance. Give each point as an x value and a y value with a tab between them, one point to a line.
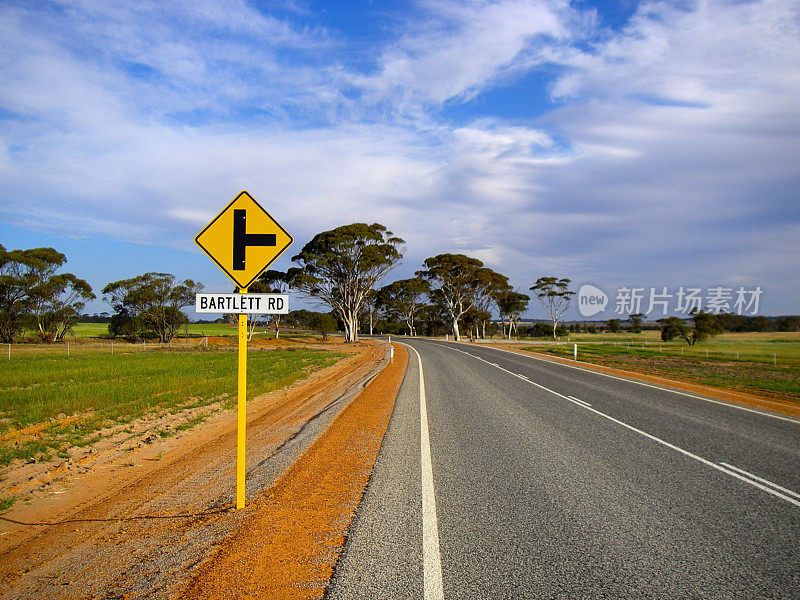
289	546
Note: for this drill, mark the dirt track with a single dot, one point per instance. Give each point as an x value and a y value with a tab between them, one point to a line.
137	525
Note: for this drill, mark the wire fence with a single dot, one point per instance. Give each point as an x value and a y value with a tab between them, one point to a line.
89	345
82	347
786	354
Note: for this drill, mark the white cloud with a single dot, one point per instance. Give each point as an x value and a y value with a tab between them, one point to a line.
708	53
672	160
460	49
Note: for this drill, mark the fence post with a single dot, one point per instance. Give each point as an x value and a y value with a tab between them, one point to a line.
112	347
774	358
67	348
9	352
575	351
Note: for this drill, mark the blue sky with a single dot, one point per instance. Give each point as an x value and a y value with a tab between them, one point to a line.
621	143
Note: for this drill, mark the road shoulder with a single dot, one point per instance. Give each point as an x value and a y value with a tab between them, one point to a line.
290	543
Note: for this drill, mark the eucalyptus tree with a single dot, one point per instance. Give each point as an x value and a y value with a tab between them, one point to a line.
56	304
433	320
322	323
18	270
150	303
472	319
672	327
636	322
369	308
705	326
489	284
555	296
33	292
404	299
511	305
454	280
269	282
341	267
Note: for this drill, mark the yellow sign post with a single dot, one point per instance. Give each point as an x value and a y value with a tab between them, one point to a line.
243	239
241	409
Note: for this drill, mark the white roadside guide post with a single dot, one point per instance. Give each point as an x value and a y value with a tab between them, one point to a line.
243	240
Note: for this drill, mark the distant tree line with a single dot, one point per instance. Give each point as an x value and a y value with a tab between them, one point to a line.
102	317
35	295
342	268
758	323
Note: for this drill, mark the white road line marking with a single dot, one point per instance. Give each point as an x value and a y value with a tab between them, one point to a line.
660	441
762	480
650	385
579	400
431	555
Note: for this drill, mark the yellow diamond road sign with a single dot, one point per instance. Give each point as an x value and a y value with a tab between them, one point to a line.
243	240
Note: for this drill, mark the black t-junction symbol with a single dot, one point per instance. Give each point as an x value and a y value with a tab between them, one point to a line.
242	239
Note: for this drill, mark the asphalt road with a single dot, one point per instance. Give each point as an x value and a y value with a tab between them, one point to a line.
548	481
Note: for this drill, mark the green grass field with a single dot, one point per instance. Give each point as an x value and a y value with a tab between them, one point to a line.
781	348
101	389
192	330
752	362
87	330
95	330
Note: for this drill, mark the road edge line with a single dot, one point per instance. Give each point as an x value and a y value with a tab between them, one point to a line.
431	554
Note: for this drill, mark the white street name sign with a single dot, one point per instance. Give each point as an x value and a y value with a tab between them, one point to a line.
243	304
